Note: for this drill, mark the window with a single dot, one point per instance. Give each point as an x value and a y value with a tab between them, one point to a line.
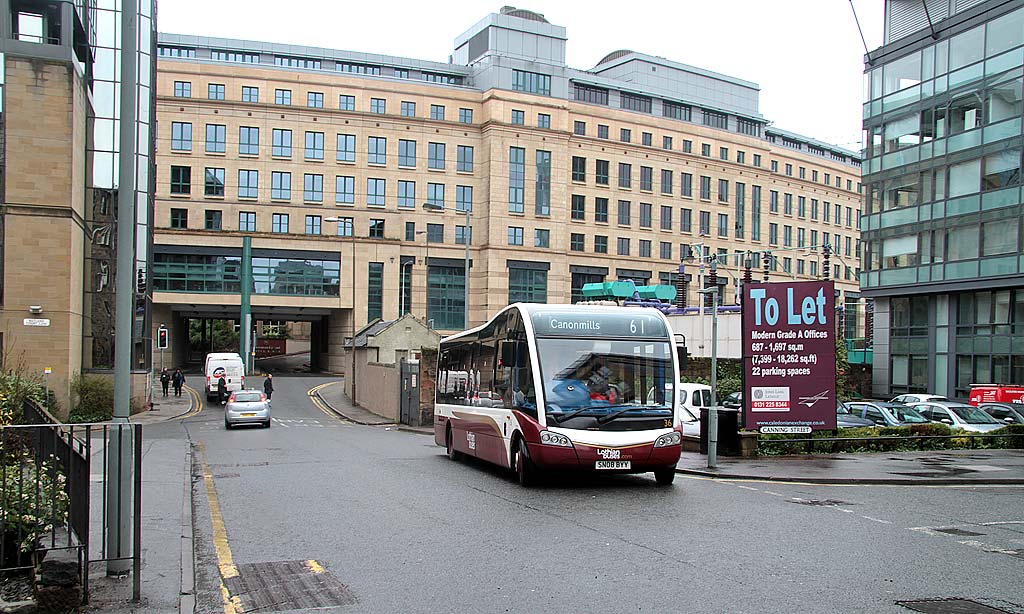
625	175
705	150
292	62
378	105
215	91
314	145
534	83
723	153
313	224
622	246
346	102
518	117
646	178
705	222
687	146
666	217
247	221
745	126
280	185
646	215
435	156
601	210
406	194
281	142
849	218
666	182
182	89
741	157
435	194
250	94
313	188
357	69
625	135
181	136
624	213
601	172
466	116
464	159
516	179
542	186
377	150
579	128
789	170
463	198
716	120
676	110
214	182
600	244
578	208
757	159
839	213
282	97
666	142
375	192
543	120
579	168
755	213
541	237
814	209
774	166
462	234
644	248
787	204
435	233
315	100
346	147
705	188
345	227
801	172
345	190
773	201
181	180
576	242
410	231
527	285
376	228
723	225
787	235
406	153
213	219
646	138
249	141
515	235
723	190
801	206
248	183
374	291
437	112
773	233
407	108
602	131
686	183
179	218
634	102
279	223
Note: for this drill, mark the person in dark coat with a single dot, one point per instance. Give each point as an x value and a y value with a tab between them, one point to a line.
268	386
177	380
165	380
222	390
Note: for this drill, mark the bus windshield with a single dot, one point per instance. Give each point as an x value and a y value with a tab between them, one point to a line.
590	382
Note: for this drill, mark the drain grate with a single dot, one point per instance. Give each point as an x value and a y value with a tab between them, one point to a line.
959	532
950	606
286	585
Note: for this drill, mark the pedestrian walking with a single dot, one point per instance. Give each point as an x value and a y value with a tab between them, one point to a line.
165	380
222	390
177	380
268	386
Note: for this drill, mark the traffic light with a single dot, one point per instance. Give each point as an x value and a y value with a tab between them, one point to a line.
161	338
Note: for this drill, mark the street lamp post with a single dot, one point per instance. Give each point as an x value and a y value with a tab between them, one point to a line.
467	239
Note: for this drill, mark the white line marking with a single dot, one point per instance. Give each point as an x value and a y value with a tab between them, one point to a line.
998	522
774	494
844	510
747	487
876	520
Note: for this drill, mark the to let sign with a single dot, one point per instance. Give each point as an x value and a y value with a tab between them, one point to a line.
789	356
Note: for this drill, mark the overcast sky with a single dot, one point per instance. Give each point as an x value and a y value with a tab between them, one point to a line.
806	55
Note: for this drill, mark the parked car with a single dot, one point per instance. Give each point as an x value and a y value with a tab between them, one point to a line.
907	399
886	413
247	407
846	420
994	393
958	416
733	400
1010	413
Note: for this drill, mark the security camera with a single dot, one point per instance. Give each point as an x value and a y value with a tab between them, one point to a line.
35	309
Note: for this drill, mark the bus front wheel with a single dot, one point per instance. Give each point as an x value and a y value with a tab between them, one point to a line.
449	440
665	476
526	471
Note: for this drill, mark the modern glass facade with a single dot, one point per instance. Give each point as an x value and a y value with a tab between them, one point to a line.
942	219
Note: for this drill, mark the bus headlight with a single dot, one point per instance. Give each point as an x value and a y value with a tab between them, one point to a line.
668	439
554	439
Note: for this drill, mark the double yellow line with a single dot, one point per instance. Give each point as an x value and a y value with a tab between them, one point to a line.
197	404
315	400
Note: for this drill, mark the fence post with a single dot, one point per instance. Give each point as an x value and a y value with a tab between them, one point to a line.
137	529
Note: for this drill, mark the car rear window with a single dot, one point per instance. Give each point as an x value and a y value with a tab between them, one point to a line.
247	397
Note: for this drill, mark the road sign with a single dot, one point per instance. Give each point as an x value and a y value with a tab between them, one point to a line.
36	322
768	430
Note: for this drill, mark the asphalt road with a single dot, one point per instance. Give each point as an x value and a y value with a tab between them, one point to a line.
391	525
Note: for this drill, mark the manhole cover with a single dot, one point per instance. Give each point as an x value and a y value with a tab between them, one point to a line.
819	502
961	532
950	606
286	585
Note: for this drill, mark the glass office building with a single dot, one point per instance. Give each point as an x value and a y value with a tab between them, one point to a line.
943	212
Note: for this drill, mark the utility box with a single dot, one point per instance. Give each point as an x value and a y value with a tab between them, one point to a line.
728	431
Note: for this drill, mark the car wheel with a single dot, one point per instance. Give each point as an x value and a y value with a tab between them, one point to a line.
449	440
665	477
227	425
526	471
266	424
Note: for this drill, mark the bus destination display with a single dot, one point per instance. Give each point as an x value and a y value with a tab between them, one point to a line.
598	324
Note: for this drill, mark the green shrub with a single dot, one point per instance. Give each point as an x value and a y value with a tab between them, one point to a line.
36	500
897	440
95	399
14	389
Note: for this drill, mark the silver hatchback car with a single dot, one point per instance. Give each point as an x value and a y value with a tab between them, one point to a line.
247	407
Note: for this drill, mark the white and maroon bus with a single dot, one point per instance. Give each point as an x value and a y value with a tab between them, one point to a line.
548	387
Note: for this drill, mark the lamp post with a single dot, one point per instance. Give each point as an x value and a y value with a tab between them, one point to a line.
468	237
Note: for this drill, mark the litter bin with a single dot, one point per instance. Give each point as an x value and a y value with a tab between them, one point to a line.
728	431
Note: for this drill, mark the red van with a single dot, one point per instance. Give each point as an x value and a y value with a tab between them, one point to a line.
995	393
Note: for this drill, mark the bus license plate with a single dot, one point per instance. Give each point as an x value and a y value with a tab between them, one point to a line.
612	464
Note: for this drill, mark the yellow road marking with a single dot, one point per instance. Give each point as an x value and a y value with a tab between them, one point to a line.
314	567
320	404
197	404
225	562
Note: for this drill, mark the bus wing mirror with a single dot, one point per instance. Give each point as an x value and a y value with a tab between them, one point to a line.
683	356
508	353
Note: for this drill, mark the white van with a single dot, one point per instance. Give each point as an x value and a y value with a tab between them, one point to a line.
228	364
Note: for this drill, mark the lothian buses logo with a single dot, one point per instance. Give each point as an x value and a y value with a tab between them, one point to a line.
609	454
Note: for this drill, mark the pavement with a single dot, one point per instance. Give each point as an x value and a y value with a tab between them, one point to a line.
333	396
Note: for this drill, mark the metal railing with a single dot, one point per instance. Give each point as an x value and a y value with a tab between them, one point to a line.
46	497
